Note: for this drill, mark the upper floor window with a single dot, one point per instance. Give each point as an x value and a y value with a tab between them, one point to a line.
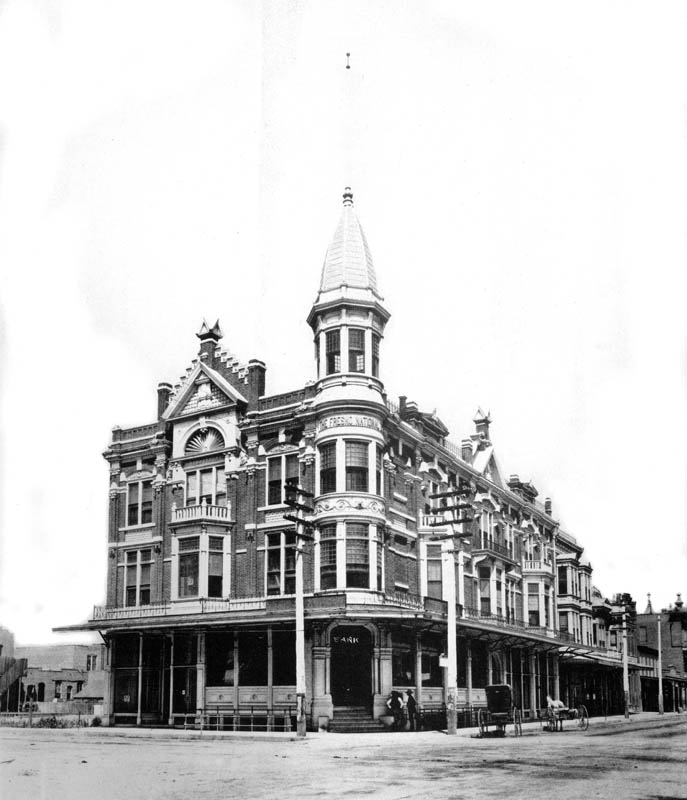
327	467
91	661
533	616
356	350
206	486
328	557
137	578
333	347
375	355
357	555
189	566
280	469
378	469
280	562
357	467
139	502
434	585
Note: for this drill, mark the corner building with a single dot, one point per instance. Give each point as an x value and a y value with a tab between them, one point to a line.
200	614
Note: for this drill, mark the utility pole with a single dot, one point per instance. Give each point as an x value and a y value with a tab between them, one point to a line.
660	666
626	675
295	496
460	513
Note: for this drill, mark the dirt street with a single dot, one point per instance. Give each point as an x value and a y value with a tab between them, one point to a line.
645	758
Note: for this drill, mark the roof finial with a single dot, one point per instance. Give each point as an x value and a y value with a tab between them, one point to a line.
348	60
348	196
649	607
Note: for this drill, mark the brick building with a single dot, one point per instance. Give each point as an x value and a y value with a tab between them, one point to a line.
200	613
673	648
57	673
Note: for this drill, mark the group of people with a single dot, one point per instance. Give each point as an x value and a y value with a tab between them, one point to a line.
403	709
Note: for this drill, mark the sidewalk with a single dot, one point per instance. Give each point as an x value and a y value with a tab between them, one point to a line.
530	728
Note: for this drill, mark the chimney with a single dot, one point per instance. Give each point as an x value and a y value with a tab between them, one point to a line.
209	337
466	450
164	391
547	505
482	422
256	379
402	405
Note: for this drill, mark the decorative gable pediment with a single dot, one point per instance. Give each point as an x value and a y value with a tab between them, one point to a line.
204	390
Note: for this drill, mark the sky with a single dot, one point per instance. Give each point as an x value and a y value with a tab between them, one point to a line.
519	169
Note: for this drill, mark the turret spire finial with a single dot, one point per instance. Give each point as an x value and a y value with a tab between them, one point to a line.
348	196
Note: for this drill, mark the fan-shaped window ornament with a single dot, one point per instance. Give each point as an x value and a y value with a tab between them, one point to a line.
204	441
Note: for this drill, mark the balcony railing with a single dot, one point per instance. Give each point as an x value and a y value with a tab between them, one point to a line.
489	546
209	605
537	566
200	512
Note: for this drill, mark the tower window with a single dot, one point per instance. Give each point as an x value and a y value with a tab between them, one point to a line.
357	467
375	355
333	342
356	350
328	557
328	468
357	556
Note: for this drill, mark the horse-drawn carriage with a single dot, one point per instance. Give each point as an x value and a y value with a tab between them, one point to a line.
553	717
500	712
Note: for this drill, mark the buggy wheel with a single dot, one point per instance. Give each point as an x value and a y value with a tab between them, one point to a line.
582	718
482	721
517	722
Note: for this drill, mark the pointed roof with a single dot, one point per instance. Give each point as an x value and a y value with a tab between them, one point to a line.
649	608
348	261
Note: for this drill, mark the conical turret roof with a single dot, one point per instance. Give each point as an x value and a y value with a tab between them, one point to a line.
348	261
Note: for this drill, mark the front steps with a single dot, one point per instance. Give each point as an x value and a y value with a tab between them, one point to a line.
354	719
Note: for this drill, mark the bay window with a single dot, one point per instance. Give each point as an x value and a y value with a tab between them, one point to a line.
206	486
189	564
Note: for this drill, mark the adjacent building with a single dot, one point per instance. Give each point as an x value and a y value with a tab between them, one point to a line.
200	614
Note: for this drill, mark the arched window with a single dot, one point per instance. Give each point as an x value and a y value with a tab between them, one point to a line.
204	441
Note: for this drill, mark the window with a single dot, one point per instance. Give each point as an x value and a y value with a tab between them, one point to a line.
375	355
378	468
283	658
562	580
280	469
499	590
215	565
563	622
207	486
58	690
484	590
357	556
533	604
328	468
328	557
139	503
70	688
356	350
280	549
91	661
333	345
189	558
434	585
137	577
356	467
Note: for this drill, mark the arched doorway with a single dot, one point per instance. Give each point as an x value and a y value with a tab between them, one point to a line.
351	666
